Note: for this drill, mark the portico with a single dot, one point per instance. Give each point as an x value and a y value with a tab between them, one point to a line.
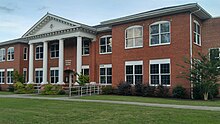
53	28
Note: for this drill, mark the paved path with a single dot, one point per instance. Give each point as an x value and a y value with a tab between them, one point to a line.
114	102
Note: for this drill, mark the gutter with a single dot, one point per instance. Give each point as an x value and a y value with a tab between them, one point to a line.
191	50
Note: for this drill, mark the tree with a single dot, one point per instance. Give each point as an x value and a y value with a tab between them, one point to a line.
18	77
204	73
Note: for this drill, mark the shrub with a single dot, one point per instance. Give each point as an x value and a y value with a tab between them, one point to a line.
124	88
198	92
19	88
107	90
139	89
83	79
61	92
29	88
148	90
161	91
11	88
179	92
50	89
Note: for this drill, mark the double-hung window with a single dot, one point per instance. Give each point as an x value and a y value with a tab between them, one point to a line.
38	75
10	54
134	72
160	33
160	72
214	54
54	50
105	44
197	33
2	54
2	76
54	75
106	74
85	46
134	37
10	76
85	70
39	52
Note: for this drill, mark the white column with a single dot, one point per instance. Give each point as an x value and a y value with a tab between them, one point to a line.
31	63
45	56
79	55
61	60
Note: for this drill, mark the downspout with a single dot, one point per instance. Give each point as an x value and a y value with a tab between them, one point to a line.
191	50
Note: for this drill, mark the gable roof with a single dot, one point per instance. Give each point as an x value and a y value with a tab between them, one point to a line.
202	14
48	17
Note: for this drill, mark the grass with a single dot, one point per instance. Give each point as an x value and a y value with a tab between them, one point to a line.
5	93
154	100
26	111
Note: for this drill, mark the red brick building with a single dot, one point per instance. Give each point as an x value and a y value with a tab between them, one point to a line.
146	47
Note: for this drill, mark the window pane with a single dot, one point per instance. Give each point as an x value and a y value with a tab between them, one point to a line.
109	48
138	79
154	29
138	69
103	49
195	38
86	50
86	43
154	39
129	69
198	39
165	68
165	38
129	33
138	32
154	69
129	42
102	71
198	29
109	71
214	54
129	79
102	79
165	27
109	79
139	41
86	71
165	79
102	41
154	79
195	27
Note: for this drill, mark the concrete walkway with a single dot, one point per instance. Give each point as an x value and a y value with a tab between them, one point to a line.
114	102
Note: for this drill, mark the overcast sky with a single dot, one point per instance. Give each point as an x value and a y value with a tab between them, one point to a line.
17	16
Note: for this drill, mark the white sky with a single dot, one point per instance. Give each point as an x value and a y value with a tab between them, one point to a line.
17	16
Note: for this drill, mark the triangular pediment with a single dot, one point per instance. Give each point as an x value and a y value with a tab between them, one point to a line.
50	23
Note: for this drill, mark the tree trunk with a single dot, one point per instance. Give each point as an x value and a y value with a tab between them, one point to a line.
206	95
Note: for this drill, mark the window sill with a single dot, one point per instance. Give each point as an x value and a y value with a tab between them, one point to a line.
10	60
38	59
105	53
127	48
164	44
197	44
105	84
86	55
54	57
155	85
9	83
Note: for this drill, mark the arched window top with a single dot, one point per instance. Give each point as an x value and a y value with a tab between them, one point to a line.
104	36
134	37
196	22
159	22
10	48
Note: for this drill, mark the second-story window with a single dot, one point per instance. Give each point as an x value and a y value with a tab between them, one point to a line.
160	33
54	50
2	54
134	37
10	54
197	33
39	52
25	53
105	44
85	46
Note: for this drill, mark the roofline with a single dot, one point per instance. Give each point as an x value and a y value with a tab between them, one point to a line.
159	12
14	41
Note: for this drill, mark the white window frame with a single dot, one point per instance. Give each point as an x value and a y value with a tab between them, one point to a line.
54	76
55	51
39	52
159	61
25	55
133	63
25	75
104	66
3	55
10	54
2	77
150	35
197	34
85	67
11	76
106	45
133	37
38	69
83	47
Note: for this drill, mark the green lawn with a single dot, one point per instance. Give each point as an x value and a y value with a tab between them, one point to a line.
29	111
154	100
5	93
